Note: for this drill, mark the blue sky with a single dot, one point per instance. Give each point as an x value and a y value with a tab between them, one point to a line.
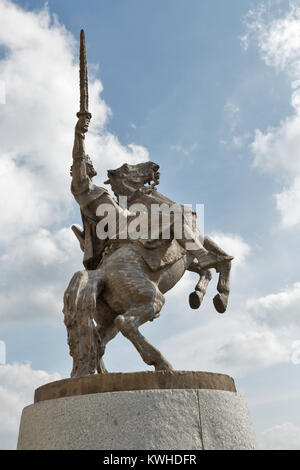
209	91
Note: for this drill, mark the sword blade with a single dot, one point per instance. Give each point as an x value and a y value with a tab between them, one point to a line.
83	76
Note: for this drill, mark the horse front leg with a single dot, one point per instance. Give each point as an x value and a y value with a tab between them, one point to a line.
220	300
196	297
129	322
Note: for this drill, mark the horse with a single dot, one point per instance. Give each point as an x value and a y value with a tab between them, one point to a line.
126	291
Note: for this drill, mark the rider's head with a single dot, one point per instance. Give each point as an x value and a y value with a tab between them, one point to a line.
127	179
90	170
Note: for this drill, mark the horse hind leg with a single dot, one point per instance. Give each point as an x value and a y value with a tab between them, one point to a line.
105	330
128	325
101	369
104	336
129	322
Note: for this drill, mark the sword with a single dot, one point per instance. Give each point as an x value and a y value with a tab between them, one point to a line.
83	79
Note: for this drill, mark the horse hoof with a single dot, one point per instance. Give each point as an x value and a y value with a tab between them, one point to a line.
164	365
101	369
81	373
195	300
220	302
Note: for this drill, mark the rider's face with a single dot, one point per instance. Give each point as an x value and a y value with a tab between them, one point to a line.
91	170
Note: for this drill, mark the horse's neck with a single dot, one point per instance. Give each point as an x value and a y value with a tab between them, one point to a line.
151	197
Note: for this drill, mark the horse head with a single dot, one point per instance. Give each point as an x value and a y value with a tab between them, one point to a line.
127	179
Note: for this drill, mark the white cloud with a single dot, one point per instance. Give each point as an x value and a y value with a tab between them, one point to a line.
35	278
235	345
277	35
259	333
36	133
277	149
284	436
280	310
17	385
288	203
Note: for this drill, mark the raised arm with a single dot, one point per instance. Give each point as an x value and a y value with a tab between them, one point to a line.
79	172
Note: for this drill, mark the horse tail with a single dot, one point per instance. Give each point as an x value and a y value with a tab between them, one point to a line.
80	304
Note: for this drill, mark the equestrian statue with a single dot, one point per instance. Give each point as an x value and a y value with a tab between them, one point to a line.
125	274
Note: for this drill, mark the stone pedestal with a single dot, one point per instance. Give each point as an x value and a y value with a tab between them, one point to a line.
143	410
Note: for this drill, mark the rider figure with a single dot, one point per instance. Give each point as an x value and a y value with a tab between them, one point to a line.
88	196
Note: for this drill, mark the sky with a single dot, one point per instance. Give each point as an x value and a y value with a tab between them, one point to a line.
211	92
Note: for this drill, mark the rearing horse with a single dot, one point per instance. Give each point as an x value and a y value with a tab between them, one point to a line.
127	287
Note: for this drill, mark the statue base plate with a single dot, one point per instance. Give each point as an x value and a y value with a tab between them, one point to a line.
203	411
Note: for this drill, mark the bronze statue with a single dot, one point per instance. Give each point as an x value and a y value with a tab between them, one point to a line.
124	279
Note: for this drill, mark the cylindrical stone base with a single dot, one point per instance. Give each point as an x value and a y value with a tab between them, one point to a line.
162	419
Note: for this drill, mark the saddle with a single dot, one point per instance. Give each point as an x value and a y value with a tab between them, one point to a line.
159	254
